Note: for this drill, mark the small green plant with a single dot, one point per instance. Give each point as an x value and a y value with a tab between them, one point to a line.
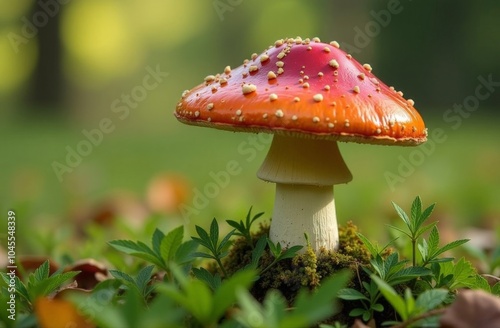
390	270
369	304
430	250
307	310
165	249
243	228
163	289
257	252
280	254
431	277
217	250
414	223
457	275
109	306
140	284
205	305
412	311
394	272
373	247
489	261
39	284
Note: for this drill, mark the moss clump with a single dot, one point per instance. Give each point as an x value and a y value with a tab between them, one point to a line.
306	270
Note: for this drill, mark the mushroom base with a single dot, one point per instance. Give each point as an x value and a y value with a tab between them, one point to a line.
304	209
305	270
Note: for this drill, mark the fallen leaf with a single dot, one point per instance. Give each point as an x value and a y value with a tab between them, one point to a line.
3	257
491	279
472	308
120	204
58	313
91	273
359	324
31	263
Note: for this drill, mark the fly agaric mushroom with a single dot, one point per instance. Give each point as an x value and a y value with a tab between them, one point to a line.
309	95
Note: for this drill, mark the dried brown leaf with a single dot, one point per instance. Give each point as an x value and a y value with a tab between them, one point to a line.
91	273
31	263
122	204
472	308
491	279
360	324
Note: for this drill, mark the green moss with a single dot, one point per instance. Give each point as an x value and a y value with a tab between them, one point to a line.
305	270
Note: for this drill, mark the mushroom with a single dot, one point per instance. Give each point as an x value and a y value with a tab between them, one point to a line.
309	95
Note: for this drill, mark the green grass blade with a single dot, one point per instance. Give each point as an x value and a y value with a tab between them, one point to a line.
396	301
402	214
350	294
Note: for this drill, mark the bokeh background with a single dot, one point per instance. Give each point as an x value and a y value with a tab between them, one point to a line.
65	66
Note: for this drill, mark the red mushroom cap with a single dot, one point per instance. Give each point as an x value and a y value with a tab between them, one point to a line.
304	88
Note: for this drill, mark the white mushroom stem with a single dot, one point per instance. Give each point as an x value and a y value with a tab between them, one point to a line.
300	209
304	171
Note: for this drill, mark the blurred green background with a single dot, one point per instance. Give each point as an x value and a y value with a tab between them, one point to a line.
67	66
